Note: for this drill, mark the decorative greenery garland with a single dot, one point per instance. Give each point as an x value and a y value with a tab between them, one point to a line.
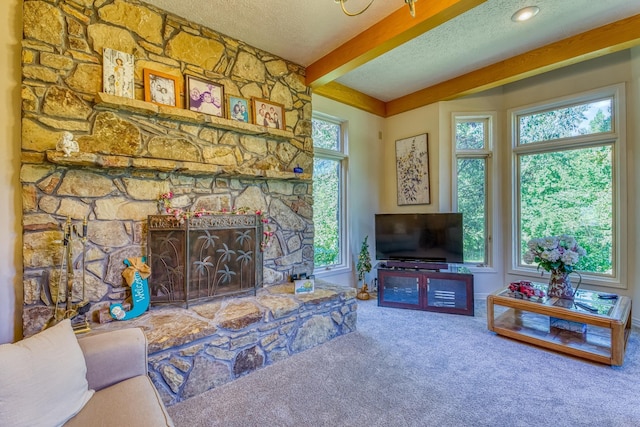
164	203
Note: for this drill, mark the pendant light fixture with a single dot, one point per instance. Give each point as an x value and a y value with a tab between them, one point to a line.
411	3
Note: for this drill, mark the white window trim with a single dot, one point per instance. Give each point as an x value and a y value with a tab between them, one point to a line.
492	208
344	266
618	136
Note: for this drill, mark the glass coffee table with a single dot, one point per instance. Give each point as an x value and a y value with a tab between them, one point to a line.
590	327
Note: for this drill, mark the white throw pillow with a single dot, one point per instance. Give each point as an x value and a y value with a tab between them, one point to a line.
43	379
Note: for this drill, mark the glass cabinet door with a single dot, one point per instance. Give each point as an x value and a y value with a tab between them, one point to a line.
400	289
447	293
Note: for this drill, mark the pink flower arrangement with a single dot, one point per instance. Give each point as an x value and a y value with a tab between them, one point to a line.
164	200
560	253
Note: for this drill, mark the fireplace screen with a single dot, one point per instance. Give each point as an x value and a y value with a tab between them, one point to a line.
204	258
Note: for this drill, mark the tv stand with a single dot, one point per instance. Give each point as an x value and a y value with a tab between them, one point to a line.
417	265
422	286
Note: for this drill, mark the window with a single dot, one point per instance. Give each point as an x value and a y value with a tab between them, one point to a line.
329	207
473	145
568	178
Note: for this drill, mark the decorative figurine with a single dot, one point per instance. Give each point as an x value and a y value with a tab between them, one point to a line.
67	144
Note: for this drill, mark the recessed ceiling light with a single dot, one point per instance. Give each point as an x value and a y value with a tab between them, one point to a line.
525	13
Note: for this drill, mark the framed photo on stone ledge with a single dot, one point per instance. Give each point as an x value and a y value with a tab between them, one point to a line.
117	73
412	168
205	96
267	113
238	109
161	88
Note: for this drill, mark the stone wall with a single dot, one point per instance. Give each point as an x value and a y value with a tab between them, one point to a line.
131	151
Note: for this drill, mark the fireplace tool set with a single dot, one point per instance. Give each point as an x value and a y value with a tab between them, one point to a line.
74	311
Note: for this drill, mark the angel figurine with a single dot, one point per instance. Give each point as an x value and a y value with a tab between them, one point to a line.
67	144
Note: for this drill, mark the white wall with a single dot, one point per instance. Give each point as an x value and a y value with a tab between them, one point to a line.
633	142
436	120
366	178
415	122
10	195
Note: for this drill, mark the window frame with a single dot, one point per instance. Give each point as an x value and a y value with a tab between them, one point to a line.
487	153
616	138
341	156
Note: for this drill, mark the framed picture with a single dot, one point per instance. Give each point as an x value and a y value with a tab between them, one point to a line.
160	88
238	109
117	73
304	286
205	96
267	113
412	168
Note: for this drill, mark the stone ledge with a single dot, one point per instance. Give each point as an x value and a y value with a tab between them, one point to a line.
105	161
169	326
104	101
196	349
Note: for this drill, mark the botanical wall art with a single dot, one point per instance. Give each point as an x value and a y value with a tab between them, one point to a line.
205	96
117	73
412	166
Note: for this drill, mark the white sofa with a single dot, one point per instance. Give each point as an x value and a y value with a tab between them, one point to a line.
51	387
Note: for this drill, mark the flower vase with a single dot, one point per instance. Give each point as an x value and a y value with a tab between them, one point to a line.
560	285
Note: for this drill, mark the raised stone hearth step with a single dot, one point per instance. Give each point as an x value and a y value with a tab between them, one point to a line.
196	349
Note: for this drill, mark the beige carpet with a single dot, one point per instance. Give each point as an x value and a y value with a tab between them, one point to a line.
414	368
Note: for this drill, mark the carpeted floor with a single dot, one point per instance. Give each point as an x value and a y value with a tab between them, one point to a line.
414	368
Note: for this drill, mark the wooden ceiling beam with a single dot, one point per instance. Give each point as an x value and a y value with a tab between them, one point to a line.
352	97
391	32
600	41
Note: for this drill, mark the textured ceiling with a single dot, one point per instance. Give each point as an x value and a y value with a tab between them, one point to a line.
300	31
478	38
303	31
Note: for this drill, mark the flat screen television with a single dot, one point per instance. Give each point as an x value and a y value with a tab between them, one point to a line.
431	237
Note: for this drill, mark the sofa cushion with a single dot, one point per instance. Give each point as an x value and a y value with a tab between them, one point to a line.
43	379
114	356
133	402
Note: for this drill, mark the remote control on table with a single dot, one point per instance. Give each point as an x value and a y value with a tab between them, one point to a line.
607	296
587	307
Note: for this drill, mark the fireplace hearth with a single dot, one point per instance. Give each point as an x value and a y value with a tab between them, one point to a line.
210	344
204	258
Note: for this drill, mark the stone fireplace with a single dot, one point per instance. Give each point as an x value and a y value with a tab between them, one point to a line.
132	151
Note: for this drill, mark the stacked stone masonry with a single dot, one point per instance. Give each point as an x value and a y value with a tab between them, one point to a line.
132	151
192	351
